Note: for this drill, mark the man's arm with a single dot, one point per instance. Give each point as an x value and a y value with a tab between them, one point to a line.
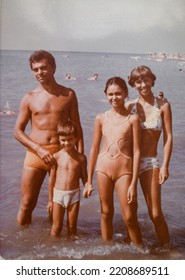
23	118
75	117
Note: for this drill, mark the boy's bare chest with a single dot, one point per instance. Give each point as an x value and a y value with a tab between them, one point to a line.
69	163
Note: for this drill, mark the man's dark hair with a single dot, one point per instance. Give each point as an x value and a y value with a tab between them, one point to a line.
41	54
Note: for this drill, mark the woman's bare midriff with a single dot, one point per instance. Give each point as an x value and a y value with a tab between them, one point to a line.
149	142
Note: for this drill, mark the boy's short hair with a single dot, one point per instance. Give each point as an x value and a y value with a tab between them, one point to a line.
41	54
141	72
67	128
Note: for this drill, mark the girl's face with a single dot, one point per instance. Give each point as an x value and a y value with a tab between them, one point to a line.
143	85
116	95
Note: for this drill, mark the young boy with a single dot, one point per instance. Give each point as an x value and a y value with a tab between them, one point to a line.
64	186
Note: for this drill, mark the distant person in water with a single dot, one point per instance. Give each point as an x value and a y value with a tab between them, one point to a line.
155	117
117	165
7	113
64	185
69	77
44	107
94	77
161	95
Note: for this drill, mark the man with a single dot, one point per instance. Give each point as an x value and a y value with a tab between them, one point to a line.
44	107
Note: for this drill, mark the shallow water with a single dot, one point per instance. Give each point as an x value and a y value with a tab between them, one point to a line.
34	242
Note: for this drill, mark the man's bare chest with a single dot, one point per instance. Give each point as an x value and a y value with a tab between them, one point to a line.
50	105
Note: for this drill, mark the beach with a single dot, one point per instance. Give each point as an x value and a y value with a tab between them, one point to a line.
34	241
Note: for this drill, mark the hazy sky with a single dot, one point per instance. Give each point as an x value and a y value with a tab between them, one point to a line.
132	26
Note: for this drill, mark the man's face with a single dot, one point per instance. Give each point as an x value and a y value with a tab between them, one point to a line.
43	71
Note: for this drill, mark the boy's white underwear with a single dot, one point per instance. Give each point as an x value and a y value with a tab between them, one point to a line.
66	198
148	164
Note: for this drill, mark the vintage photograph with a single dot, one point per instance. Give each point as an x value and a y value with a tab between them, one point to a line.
92	128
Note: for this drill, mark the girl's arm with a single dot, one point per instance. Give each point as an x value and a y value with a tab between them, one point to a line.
51	184
87	188
132	192
167	142
95	147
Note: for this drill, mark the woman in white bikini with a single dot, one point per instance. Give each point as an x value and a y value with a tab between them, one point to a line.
155	116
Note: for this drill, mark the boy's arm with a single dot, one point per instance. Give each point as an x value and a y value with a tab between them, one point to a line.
84	170
51	185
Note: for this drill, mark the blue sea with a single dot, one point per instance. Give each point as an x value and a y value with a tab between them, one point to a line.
34	241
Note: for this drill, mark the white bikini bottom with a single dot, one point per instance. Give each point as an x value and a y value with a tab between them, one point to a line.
148	163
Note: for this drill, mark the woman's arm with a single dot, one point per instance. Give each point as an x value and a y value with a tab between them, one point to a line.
97	136
87	188
167	142
132	193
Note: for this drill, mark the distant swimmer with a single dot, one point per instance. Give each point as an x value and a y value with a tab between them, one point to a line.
94	77
7	111
161	95
10	113
69	77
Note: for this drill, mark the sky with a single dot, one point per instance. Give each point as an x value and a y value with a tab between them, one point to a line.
126	26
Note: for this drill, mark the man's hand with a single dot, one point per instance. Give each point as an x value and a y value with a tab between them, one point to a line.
47	157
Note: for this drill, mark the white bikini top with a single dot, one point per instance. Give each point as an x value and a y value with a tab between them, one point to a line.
154	121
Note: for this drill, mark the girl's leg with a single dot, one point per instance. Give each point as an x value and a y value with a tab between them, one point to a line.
149	181
129	211
106	189
72	217
58	216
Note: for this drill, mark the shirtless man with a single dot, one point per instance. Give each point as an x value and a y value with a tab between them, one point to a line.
45	106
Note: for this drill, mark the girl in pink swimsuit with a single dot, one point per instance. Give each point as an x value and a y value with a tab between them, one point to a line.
155	117
117	164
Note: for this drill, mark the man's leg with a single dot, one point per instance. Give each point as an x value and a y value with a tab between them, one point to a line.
32	180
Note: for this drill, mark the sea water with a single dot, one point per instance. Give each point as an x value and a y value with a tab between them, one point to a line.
34	241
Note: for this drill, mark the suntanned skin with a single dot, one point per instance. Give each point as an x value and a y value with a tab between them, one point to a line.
71	167
125	185
44	107
151	180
